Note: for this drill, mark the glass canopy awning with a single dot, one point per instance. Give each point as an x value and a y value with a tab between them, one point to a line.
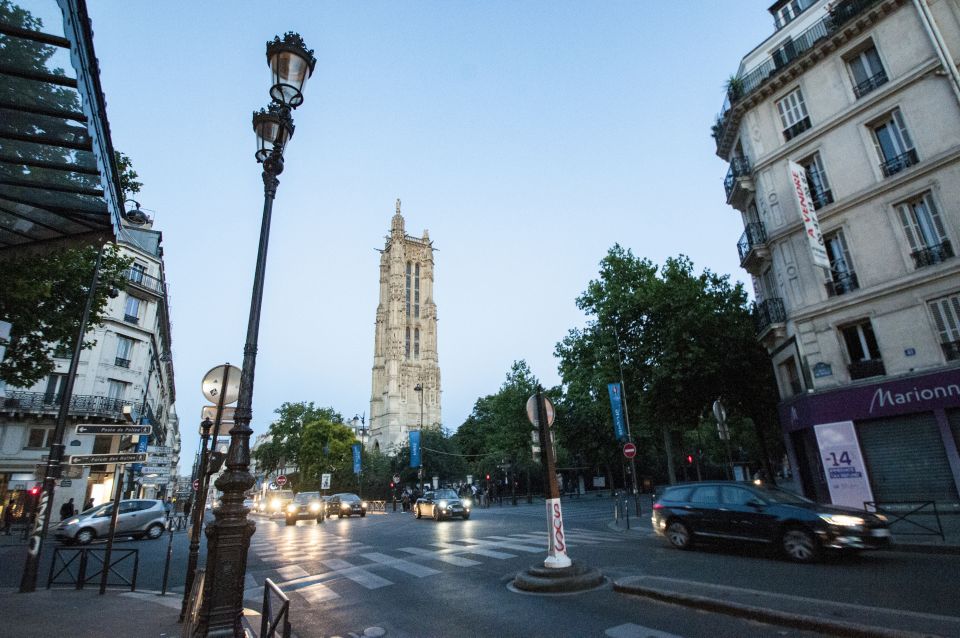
58	181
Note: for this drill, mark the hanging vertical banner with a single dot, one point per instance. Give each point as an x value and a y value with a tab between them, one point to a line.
356	458
843	464
616	406
415	460
142	445
811	225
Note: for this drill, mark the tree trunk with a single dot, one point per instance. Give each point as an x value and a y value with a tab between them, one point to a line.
668	448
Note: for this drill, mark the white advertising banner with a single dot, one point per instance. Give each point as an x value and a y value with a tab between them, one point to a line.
843	464
811	225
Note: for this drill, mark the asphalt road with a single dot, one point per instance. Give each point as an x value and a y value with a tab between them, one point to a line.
421	578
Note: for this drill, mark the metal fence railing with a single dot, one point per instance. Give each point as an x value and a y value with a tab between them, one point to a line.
78	566
907	513
274	624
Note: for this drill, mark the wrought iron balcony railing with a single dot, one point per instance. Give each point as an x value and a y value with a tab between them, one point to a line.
951	350
821	198
896	164
144	280
842	283
932	255
739	167
754	234
80	405
870	84
768	312
796	129
123	363
131	318
865	369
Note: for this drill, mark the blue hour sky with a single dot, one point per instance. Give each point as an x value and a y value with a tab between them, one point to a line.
528	137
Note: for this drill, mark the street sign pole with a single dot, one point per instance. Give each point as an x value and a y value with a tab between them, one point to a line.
626	418
199	504
117	493
557	553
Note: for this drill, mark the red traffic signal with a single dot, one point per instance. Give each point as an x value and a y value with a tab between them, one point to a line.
34	490
689	459
391	485
488	477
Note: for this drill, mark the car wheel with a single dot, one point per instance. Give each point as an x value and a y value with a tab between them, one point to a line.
436	514
362	514
84	536
291	521
679	535
417	512
319	520
799	545
155	531
466	515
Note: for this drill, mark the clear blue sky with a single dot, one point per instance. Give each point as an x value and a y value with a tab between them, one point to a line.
528	137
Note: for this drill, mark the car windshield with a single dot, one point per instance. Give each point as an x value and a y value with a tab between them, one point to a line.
776	495
349	497
306	497
445	494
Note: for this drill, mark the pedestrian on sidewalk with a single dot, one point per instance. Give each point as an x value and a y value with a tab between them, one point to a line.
8	517
67	510
88	504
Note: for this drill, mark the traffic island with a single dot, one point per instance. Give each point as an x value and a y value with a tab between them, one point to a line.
555	580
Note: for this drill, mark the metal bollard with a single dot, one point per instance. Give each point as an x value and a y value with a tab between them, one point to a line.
394	502
166	567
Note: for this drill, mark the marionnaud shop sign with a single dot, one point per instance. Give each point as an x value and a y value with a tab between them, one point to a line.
843	464
811	225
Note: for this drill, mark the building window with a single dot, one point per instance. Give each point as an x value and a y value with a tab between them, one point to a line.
793	114
894	145
924	230
137	271
863	351
39	437
409	268
789	11
124	348
946	315
866	70
416	291
116	390
54	389
131	312
841	278
817	181
416	343
789	378
406	349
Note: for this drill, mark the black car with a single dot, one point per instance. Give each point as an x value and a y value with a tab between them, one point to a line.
442	504
754	514
305	505
345	504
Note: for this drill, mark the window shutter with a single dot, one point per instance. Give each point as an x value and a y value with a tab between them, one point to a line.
910	227
946	314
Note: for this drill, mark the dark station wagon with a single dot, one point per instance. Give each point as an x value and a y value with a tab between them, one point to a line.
746	513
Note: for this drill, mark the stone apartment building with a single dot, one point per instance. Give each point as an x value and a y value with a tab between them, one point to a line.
127	372
842	132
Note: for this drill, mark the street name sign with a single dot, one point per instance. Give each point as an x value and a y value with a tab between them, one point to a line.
156	469
96	428
101	459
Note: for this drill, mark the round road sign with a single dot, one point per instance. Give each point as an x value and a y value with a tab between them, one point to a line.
532	411
281	480
629	450
196	484
212	384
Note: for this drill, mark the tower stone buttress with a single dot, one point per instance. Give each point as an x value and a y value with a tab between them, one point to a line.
405	341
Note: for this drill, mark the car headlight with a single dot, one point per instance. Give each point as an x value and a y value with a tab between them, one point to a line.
363	505
466	502
344	506
291	508
314	507
443	505
275	504
843	520
73	521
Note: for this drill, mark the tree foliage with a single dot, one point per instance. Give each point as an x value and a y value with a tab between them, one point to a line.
43	296
286	434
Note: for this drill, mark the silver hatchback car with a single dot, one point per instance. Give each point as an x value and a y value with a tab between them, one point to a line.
137	517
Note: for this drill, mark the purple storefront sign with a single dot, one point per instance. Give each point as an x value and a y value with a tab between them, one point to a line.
922	393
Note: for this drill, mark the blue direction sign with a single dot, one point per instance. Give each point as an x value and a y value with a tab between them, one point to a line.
103	459
96	428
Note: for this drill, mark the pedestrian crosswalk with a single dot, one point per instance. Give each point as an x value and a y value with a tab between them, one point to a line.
316	564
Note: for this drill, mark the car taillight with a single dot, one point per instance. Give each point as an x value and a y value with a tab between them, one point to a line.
657	506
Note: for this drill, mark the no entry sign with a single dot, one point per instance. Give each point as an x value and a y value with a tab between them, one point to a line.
281	480
629	450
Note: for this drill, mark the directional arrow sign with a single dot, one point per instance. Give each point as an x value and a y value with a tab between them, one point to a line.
114	429
100	459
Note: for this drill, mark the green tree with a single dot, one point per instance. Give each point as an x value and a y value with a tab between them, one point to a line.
128	177
286	434
43	296
326	446
684	340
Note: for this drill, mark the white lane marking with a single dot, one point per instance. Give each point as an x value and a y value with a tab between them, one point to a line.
357	574
291	571
317	593
466	549
403	565
459	561
630	630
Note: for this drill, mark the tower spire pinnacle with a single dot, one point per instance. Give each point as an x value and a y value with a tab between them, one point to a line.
396	225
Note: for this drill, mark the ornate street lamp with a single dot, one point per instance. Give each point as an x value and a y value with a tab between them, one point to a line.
228	537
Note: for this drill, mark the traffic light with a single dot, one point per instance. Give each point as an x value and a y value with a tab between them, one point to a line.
488	477
391	485
34	490
689	459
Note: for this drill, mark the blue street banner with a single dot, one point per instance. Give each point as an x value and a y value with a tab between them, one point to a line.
415	460
356	458
142	445
616	406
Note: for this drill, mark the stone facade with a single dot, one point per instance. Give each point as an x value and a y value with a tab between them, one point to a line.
864	97
405	342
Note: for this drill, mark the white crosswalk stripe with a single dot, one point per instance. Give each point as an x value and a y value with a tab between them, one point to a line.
459	561
357	574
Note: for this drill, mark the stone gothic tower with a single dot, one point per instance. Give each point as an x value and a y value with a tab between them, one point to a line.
405	345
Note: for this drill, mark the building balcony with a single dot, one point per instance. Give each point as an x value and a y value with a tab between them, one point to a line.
791	132
870	84
753	248
131	319
17	402
770	320
951	350
821	198
121	362
144	281
866	369
901	162
932	255
739	183
842	284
